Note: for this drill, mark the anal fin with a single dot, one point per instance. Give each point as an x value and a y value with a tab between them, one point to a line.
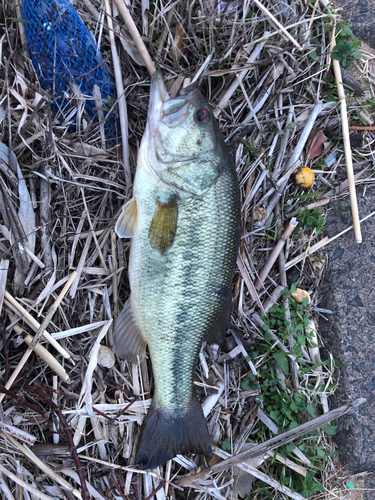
128	341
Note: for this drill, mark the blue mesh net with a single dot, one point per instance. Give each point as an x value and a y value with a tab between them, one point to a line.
68	63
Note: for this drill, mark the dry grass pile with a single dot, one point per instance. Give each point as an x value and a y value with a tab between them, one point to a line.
69	409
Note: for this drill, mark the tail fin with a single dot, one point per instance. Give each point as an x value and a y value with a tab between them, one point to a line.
165	434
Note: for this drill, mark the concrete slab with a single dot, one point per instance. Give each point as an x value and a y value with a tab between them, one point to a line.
349	291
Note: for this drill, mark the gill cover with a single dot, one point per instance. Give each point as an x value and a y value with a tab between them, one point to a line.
180	147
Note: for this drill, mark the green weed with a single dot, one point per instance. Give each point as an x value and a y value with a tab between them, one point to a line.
312	219
286	407
347	46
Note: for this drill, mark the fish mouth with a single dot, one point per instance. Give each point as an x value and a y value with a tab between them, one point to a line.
190	90
158	96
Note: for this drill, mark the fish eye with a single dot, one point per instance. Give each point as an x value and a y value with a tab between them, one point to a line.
201	115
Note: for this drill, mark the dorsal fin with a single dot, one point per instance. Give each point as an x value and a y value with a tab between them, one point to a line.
127	223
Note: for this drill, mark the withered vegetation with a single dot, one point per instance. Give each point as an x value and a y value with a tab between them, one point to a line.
70	410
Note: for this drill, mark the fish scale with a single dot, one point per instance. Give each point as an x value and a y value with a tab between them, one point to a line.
184	220
182	278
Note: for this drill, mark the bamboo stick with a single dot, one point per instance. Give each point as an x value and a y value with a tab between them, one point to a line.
346	139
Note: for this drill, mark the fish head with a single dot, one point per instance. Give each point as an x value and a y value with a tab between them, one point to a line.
182	138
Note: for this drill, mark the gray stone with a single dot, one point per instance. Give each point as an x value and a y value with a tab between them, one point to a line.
349	291
356	302
338	253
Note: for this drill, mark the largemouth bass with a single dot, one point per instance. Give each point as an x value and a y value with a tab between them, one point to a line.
184	221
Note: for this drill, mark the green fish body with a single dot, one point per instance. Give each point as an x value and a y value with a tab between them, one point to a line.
184	221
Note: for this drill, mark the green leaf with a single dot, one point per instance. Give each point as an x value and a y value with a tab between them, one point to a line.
346	31
18	20
357	54
293	287
293	406
274	415
267	336
281	359
329	429
318	487
310	220
313	54
310	410
320	452
342	50
226	445
305	302
245	385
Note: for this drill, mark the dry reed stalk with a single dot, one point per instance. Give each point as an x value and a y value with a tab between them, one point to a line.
4	266
346	139
18	309
275	253
24	484
238	79
42	352
311	330
120	98
247	467
293	364
168	21
125	13
271	444
111	465
322	243
39	333
43	466
279	25
167	476
45	355
11	430
5	489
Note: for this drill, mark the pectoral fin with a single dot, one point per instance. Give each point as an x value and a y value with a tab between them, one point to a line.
163	226
127	223
128	341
